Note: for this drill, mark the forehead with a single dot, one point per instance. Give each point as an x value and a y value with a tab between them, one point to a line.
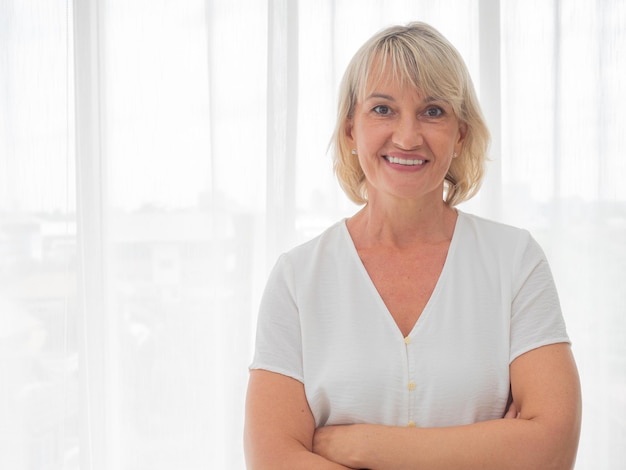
389	74
389	87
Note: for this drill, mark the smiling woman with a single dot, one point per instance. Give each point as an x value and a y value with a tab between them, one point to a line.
412	335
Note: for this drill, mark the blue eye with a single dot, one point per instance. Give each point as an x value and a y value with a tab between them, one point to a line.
434	111
381	109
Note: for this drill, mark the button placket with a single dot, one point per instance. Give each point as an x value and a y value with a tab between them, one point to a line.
411	385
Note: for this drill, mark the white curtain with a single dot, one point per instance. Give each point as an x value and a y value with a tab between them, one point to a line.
156	157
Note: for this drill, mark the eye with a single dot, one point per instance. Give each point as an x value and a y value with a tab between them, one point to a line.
434	111
381	109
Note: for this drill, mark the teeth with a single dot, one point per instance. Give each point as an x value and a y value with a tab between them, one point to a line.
404	162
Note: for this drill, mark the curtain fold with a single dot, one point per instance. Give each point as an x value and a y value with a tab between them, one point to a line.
282	123
91	178
156	158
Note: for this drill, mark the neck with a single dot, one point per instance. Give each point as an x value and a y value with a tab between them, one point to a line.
403	223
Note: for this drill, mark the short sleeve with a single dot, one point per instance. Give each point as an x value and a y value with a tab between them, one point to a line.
536	317
278	346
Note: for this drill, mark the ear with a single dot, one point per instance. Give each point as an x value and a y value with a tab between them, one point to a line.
462	132
461	138
348	131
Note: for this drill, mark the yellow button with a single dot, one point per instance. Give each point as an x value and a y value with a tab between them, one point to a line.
407	340
411	385
411	424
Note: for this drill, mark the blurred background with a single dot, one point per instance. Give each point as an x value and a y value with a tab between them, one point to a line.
156	156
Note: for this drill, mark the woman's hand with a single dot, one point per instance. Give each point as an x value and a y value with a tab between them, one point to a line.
340	444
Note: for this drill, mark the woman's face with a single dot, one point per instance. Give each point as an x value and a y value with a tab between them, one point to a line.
405	141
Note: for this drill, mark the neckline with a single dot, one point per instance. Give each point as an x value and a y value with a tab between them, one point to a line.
423	317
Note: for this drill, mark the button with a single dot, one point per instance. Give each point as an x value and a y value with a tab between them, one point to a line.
411	424
407	340
411	385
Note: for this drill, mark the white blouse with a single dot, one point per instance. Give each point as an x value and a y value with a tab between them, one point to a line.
323	323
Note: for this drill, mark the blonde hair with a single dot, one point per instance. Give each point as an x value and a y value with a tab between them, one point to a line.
421	57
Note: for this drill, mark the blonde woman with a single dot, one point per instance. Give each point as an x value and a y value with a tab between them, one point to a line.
412	335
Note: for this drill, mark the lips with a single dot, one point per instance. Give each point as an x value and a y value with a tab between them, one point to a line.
403	161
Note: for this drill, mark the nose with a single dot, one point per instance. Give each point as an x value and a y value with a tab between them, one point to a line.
407	134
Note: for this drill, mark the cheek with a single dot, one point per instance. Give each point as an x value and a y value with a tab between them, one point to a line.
372	139
445	139
364	162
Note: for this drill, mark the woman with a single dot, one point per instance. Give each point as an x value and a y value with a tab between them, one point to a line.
412	335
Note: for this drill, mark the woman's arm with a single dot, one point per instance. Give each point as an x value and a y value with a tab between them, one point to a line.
279	425
546	392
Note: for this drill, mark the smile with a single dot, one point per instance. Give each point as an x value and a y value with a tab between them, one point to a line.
401	161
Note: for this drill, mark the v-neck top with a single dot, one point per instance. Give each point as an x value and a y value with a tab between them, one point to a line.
323	322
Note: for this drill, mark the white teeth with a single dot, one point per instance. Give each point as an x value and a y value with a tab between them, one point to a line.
404	162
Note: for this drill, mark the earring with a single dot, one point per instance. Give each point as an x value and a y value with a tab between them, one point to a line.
454	155
353	151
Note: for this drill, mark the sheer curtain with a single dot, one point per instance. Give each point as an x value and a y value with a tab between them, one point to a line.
156	157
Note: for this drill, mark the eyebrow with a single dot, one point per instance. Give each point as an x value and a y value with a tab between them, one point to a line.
380	95
428	99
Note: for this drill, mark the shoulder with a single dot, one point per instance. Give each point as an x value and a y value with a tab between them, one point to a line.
491	234
502	243
491	228
314	258
331	241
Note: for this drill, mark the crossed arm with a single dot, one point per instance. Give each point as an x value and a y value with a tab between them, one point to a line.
280	430
279	426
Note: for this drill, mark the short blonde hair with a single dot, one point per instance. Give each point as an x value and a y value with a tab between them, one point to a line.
421	57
